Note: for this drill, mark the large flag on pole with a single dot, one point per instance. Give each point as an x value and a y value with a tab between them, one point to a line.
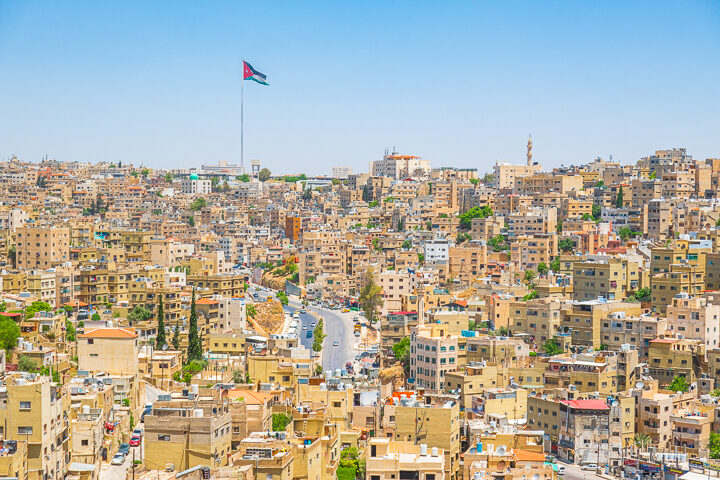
249	73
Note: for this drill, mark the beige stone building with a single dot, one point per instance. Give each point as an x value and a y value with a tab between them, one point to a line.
110	350
387	459
42	247
37	412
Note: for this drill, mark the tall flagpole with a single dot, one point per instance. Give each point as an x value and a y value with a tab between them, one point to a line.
242	119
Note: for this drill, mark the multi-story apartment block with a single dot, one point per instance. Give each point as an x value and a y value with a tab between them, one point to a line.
611	279
187	432
36	412
694	318
433	352
42	247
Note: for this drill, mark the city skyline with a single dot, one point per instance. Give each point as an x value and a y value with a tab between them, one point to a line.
159	85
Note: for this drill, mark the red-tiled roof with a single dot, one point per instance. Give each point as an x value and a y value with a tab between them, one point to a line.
110	333
586	404
664	340
206	301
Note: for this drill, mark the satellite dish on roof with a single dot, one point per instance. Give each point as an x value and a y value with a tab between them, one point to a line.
640	385
164	347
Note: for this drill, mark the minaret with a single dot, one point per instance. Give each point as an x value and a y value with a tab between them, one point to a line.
529	151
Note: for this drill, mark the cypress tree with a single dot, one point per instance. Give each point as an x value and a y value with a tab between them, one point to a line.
160	339
620	195
176	337
194	351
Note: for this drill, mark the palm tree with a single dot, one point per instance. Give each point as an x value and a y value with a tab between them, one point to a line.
642	440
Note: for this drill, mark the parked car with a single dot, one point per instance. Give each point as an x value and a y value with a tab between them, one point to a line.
304	327
335	343
135	440
561	469
309	334
589	466
124	448
118	459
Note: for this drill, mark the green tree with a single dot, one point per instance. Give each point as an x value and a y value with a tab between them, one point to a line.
641	295
191	221
168	177
714	445
195	351
12	255
95	317
620	198
551	347
36	306
498	243
319	336
245	178
529	276
282	297
488	178
626	233
238	375
475	212
251	310
27	364
653	175
600	184
542	268
370	297
176	337
407	244
679	384
566	245
198	204
596	211
139	314
530	296
401	350
280	421
462	238
160	339
366	195
264	175
555	264
642	440
70	333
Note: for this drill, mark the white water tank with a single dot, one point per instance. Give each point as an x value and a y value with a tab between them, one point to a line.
110	324
86	409
423	449
434	451
20	341
198	413
194	388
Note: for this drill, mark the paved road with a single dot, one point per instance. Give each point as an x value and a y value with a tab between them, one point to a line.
120	472
573	472
338	328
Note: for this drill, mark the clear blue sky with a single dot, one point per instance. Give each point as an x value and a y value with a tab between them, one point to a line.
459	83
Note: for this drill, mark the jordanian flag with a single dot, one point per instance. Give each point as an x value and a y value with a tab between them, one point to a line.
249	73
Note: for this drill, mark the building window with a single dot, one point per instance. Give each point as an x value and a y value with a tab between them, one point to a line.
163	438
25	430
25	406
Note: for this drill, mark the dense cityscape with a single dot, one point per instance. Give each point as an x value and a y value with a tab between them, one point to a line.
410	322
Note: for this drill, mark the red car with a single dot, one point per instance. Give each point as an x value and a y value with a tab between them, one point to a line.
135	440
